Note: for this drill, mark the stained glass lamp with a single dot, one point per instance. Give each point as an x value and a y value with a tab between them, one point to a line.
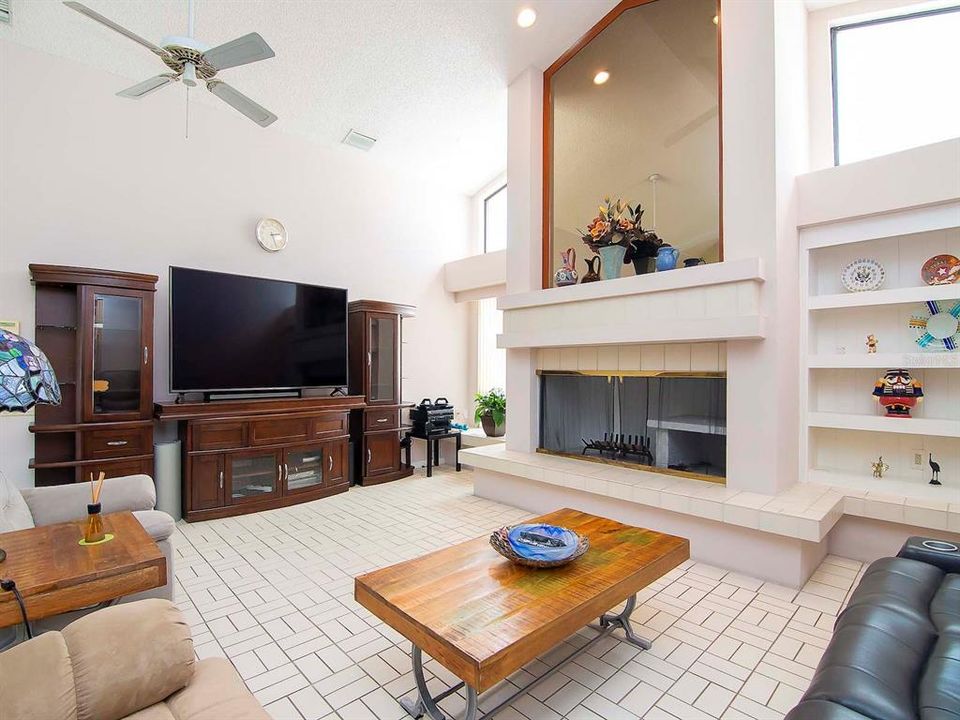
26	376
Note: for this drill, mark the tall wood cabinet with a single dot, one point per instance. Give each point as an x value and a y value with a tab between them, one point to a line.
96	328
376	331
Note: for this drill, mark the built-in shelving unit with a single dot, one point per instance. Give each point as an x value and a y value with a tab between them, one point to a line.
843	429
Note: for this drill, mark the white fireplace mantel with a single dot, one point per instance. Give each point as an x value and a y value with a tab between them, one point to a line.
706	303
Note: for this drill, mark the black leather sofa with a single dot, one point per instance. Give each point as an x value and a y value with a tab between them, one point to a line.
895	652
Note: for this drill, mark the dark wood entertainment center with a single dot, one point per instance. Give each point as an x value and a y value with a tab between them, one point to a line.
242	456
238	456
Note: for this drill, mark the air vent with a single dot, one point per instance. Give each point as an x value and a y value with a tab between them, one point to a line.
5	11
353	138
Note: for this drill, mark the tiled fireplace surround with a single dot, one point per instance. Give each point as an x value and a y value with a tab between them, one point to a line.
769	528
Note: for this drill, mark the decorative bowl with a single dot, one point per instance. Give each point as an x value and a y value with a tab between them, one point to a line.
539	546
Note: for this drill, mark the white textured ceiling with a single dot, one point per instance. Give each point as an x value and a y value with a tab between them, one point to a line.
427	78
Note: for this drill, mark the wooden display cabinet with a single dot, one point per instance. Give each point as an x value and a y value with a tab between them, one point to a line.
376	330
96	328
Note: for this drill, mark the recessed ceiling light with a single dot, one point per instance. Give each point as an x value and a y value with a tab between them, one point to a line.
526	17
601	77
716	19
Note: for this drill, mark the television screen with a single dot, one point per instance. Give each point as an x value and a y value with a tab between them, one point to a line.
231	332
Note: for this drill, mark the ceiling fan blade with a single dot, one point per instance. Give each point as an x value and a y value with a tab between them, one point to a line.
238	101
148	86
247	49
93	15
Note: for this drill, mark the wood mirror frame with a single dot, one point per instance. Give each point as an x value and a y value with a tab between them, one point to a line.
547	215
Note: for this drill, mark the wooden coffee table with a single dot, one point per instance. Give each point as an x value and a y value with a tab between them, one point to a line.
55	574
483	617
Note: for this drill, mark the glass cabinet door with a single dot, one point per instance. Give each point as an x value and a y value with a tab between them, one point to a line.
303	468
384	343
253	475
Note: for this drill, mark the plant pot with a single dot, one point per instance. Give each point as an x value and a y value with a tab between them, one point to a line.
490	428
644	265
612	261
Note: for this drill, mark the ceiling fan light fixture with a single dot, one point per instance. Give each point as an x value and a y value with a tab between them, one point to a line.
189	76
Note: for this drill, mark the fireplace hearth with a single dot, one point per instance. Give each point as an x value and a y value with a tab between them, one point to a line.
670	422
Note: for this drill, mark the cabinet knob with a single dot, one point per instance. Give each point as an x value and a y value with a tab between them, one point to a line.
330	463
368	456
144	354
117	443
382	420
221	479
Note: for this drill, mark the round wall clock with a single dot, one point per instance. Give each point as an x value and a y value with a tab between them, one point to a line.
271	235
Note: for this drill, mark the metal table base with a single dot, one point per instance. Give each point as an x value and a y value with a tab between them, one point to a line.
425	704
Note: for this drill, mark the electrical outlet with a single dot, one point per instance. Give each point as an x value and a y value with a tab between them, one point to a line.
918	460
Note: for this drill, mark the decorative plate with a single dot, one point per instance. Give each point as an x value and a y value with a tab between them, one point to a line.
537	545
940	329
862	275
941	270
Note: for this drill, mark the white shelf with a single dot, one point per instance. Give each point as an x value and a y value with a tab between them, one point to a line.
919	488
881	423
911	360
897	296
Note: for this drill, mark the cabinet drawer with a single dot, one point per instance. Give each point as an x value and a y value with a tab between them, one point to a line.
276	431
329	425
117	443
116	468
381	419
219	435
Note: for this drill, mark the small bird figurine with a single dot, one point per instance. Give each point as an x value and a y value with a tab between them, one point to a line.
879	467
935	468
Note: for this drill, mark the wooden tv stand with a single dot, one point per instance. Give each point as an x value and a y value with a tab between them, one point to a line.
242	456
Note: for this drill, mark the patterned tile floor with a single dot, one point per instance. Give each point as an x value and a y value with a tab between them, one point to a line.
273	592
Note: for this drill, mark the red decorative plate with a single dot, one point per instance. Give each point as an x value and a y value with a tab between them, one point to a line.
941	270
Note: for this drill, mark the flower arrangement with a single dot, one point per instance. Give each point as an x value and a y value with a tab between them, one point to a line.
620	224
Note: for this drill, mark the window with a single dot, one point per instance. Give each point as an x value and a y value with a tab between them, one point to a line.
495	220
895	83
491	360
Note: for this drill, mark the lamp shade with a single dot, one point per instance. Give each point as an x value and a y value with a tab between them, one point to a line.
26	376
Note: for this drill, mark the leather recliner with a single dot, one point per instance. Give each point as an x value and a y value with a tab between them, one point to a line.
895	651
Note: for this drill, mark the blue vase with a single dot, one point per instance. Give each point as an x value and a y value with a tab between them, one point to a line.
612	261
667	258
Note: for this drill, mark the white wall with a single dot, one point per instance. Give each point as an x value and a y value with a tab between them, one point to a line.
89	179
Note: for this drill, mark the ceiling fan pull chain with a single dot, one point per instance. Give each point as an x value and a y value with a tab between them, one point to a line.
186	120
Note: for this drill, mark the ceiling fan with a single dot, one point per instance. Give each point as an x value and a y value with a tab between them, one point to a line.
192	61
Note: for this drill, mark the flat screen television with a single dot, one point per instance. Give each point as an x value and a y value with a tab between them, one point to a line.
238	333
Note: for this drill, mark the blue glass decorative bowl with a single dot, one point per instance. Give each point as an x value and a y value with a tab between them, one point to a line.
539	545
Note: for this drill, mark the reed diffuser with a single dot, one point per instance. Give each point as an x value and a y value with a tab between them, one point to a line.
94	532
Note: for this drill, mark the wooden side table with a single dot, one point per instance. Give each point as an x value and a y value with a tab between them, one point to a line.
433	447
55	574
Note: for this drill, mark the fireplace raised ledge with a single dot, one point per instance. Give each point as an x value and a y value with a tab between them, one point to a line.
706	303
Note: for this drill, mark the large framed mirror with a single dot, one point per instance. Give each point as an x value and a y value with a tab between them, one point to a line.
632	113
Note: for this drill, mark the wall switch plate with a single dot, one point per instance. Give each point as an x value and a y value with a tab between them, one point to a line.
917	459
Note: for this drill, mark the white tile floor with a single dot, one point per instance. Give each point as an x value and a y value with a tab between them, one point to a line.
273	592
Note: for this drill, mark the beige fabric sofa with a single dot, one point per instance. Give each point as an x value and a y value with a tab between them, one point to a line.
133	661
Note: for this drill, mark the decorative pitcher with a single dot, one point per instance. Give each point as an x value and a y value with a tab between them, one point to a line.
667	257
593	270
612	260
567	275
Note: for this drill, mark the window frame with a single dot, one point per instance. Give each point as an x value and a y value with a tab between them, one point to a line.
834	30
486	199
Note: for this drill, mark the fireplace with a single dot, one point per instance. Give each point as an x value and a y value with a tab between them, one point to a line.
671	422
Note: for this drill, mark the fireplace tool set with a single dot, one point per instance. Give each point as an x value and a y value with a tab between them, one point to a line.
622	446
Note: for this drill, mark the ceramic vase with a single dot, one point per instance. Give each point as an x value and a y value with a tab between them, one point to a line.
612	261
567	275
667	258
593	270
644	265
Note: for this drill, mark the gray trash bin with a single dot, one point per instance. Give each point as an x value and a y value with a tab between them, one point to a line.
166	459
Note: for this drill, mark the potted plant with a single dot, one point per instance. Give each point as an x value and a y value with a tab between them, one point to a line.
643	244
607	236
492	412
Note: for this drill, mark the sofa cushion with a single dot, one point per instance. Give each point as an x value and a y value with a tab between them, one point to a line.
14	511
216	692
823	710
945	606
874	661
157	523
36	681
128	657
899	584
160	711
939	695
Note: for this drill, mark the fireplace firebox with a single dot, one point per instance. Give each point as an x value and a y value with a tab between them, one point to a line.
671	422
